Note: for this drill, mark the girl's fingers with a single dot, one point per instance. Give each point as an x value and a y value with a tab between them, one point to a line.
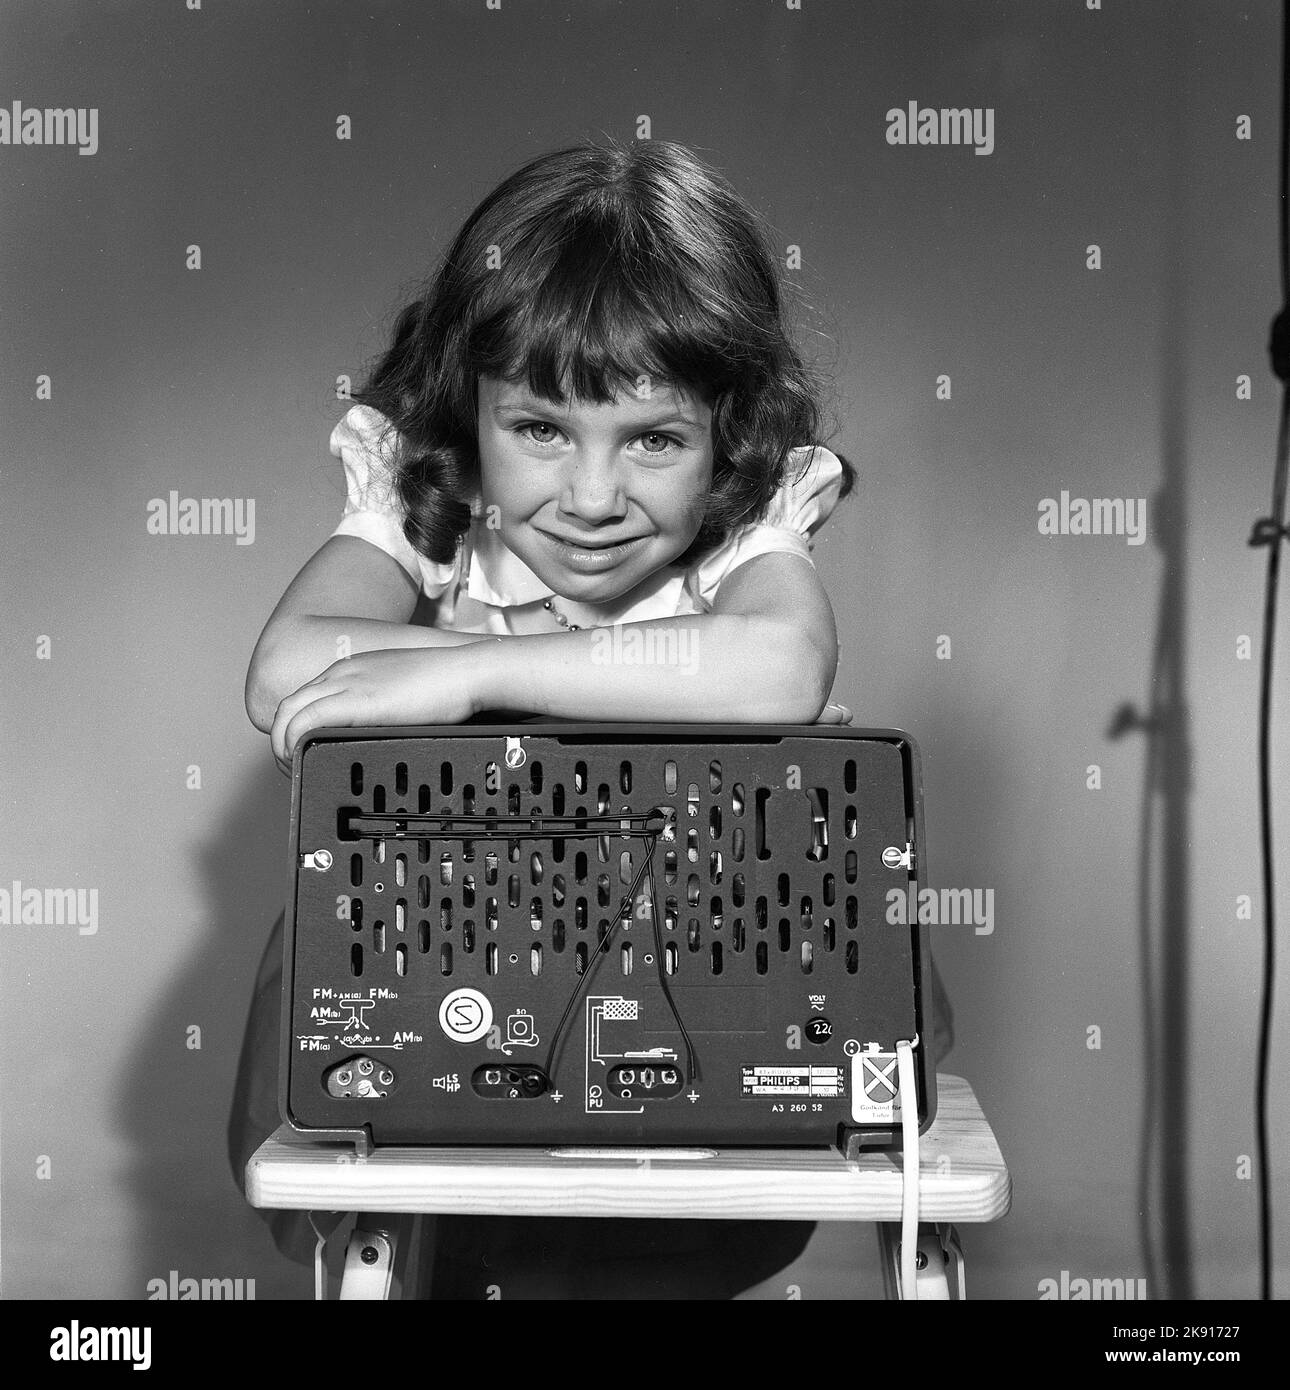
291	706
336	708
834	714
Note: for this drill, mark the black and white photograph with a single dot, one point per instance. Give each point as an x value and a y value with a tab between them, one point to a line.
647	661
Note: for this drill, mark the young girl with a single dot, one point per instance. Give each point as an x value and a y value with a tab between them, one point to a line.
593	418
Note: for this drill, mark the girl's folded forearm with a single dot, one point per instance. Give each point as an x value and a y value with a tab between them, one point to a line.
304	647
718	667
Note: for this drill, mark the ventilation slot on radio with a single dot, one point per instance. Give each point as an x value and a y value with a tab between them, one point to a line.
562	852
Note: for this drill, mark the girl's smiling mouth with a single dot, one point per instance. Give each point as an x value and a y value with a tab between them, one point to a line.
586	557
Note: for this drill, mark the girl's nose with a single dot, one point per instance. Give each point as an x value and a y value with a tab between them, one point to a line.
593	488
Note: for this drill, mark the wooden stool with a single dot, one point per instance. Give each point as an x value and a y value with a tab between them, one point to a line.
963	1180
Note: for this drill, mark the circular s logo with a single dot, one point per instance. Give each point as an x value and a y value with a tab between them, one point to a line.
465	1015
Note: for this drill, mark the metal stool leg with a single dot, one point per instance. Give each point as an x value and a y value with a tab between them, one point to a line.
940	1276
377	1257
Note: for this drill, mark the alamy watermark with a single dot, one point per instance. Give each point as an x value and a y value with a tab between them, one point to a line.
946	125
1078	1290
1096	516
76	1343
940	907
203	516
50	125
646	646
49	907
188	1289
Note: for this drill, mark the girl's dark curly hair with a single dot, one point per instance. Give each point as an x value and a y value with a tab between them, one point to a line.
583	272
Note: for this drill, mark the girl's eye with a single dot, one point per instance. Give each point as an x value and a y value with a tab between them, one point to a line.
657	443
540	432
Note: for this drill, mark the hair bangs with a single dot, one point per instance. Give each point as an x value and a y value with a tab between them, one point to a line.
600	323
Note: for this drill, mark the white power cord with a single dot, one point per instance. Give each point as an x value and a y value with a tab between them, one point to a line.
909	1196
320	1261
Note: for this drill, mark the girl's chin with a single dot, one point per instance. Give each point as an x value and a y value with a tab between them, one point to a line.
575	589
605	598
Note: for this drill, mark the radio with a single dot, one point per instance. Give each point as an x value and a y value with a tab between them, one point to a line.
565	934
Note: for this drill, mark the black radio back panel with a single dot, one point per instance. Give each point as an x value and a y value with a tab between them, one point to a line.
609	934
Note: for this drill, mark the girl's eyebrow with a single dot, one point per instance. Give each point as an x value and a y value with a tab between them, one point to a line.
525	405
533	406
663	421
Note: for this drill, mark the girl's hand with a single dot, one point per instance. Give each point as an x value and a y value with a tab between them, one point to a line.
409	686
834	714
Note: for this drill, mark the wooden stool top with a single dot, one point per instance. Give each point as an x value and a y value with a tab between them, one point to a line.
964	1178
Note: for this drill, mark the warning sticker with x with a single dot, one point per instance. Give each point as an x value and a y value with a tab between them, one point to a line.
875	1088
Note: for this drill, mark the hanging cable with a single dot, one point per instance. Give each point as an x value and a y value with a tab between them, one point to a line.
691	1057
908	1087
320	1261
1271	531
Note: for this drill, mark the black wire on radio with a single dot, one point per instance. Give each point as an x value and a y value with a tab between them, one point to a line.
624	908
543	827
691	1058
601	946
1271	531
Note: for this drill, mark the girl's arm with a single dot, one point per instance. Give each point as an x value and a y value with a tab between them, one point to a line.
766	653
312	628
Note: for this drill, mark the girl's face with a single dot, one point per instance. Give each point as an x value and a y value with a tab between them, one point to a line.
594	498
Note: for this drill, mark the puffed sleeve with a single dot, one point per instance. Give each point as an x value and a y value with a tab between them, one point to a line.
373	511
803	503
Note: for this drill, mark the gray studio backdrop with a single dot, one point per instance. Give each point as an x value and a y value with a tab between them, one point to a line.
130	768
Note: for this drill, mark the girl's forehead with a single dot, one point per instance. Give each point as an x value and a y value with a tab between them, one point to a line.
648	401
